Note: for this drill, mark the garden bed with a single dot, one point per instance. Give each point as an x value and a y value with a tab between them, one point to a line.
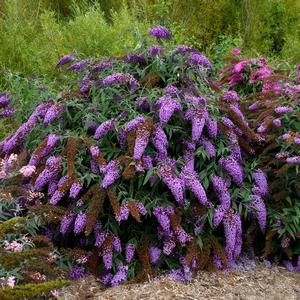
259	282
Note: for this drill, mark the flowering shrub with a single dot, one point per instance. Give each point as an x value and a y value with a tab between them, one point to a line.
272	106
146	165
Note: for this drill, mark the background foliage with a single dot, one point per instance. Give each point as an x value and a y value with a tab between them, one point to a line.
35	33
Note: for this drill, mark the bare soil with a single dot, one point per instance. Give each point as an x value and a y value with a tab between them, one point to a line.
259	282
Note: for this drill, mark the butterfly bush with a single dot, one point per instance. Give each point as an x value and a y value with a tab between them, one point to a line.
271	104
142	186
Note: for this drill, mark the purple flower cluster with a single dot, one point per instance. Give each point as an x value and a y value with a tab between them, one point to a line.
75	189
77	272
222	193
129	252
120	276
66	59
261	183
260	211
191	181
154	51
200	59
104	128
121	78
233	168
168	106
51	142
172	181
160	32
154	253
78	66
52	168
52	113
111	175
160	141
67	222
80	223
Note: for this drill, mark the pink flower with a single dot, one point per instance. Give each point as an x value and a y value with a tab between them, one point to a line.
2	174
38	276
239	67
55	293
13	246
11	281
236	51
27	170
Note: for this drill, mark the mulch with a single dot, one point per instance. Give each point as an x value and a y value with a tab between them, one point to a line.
257	282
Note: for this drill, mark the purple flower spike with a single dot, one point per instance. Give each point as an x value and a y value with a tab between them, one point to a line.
104	128
134	123
78	66
135	59
293	160
172	90
261	211
154	51
80	223
198	121
231	97
77	273
107	260
219	215
117	244
160	141
283	109
52	113
75	189
66	222
120	276
233	168
220	188
212	128
230	229
172	182
168	106
124	213
200	59
129	252
112	174
192	182
160	32
261	182
162	217
8	112
4	100
66	59
121	78
208	146
154	254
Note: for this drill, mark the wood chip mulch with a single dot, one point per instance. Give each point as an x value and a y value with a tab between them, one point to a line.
261	283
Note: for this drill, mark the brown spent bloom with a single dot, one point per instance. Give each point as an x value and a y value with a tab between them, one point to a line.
131	136
49	213
219	251
114	201
204	255
129	170
92	190
93	261
143	254
134	211
94	210
192	251
268	244
150	80
72	149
